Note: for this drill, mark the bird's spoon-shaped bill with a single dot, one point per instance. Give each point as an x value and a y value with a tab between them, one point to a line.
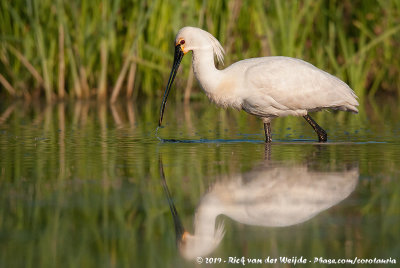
177	60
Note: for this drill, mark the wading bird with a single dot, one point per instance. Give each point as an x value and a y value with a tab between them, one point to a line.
267	87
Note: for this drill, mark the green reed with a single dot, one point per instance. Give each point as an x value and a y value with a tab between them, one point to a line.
107	49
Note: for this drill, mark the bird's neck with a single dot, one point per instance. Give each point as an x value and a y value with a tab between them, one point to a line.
204	69
205	221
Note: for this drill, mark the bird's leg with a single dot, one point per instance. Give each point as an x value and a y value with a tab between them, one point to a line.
267	153
267	129
322	136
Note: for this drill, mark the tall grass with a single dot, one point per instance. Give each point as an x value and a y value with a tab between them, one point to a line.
105	49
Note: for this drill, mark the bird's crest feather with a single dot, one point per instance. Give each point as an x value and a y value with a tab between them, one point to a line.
217	48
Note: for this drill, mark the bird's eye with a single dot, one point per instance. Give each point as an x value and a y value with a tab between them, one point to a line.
182	42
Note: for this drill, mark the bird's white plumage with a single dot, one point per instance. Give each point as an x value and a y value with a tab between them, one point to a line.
272	195
267	87
286	86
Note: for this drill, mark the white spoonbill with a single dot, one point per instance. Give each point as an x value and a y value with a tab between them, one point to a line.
267	87
271	195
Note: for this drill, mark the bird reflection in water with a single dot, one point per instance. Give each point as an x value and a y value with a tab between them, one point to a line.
270	195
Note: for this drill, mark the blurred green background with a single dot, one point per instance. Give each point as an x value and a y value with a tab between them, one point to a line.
106	49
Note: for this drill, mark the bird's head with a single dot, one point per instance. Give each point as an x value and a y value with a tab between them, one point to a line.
189	39
186	39
192	246
192	39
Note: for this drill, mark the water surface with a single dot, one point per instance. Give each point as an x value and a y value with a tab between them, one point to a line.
80	185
